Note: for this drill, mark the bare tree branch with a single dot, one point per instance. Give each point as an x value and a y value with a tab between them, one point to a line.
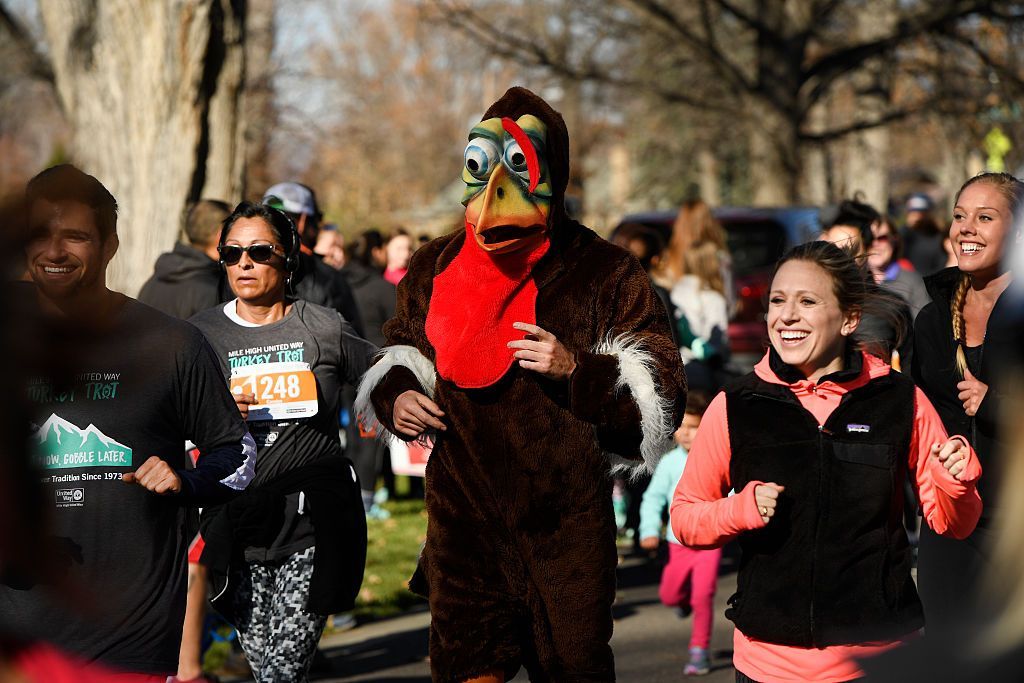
717	59
932	104
820	12
516	48
1002	70
18	52
748	19
833	65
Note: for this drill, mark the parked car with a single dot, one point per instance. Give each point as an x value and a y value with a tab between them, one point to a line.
756	237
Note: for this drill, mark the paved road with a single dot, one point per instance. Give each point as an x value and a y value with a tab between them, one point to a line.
650	642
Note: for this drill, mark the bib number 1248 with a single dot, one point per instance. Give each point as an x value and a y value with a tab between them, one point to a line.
282	390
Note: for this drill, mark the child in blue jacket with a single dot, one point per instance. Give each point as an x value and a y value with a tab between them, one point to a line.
689	578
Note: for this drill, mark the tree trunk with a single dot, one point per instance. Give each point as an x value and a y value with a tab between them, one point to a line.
814	170
260	115
774	160
151	91
710	187
867	170
773	115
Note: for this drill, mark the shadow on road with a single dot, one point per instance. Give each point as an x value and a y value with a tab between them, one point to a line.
375	654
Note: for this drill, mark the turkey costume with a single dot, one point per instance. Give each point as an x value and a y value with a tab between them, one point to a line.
519	561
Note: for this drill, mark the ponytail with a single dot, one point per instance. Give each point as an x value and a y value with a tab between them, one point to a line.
956	310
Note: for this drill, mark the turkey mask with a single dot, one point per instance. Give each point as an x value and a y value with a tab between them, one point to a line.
508	186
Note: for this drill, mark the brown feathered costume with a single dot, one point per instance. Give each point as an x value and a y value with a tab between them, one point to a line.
519	563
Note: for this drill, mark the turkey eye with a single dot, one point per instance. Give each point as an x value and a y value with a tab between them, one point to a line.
481	156
515	159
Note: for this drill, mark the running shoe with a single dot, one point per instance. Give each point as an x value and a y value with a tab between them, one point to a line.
699	663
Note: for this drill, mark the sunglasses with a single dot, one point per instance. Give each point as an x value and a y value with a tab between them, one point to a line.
230	254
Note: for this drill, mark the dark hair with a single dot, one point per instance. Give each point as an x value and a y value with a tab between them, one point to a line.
855	290
1012	190
67	183
895	237
653	243
696	402
857	214
280	224
927	226
398	232
361	248
204	219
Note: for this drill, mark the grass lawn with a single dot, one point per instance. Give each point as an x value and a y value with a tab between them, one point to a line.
394	547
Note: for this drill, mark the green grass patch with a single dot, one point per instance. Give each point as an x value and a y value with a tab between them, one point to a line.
393	549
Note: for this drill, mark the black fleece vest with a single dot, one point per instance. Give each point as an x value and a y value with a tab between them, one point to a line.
833	565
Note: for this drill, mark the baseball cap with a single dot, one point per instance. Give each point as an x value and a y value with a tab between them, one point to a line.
919	201
292	198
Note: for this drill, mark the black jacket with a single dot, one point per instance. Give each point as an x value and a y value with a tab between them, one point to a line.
834	566
375	296
318	283
934	370
255	518
925	252
184	282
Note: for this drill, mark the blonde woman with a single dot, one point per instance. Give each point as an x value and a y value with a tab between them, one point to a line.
954	366
702	314
987	643
695	225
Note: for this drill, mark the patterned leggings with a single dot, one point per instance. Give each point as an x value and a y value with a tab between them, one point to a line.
277	633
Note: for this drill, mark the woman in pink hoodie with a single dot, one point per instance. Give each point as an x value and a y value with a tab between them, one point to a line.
817	442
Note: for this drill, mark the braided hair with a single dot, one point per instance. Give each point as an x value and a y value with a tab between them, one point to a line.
1012	190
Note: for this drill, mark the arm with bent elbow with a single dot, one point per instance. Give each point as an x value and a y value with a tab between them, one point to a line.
946	473
703	514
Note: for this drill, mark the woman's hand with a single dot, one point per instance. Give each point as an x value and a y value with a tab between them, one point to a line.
972	392
414	414
767	498
541	352
953	455
243	401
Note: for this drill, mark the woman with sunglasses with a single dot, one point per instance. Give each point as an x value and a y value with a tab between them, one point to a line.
291	550
884	260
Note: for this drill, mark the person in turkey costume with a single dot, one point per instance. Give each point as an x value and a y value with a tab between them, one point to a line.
536	355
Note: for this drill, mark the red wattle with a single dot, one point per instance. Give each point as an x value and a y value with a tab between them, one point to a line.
474	302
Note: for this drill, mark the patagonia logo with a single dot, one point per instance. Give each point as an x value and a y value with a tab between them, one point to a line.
860	429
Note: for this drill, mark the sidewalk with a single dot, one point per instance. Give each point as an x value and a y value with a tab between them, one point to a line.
650	642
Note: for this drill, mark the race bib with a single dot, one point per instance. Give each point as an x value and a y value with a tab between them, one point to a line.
283	390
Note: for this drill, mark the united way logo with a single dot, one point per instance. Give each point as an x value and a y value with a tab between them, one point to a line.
67	498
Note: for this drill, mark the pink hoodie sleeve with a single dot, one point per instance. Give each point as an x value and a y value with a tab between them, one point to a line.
703	514
950	507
